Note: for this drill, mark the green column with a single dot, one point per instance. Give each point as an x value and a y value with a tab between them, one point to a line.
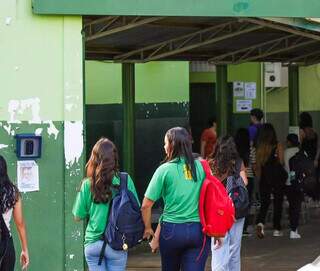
128	102
222	99
293	95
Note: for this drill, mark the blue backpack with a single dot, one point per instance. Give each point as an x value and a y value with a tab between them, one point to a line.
125	226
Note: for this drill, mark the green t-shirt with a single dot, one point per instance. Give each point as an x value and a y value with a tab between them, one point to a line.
84	207
173	182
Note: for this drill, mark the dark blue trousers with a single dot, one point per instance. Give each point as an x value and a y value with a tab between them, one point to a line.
183	247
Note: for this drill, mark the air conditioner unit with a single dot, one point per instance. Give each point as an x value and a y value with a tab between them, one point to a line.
275	76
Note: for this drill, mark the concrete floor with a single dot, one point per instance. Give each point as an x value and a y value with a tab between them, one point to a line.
269	254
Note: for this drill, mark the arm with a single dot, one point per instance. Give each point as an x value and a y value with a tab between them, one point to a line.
317	158
280	153
21	228
202	148
154	244
146	216
243	174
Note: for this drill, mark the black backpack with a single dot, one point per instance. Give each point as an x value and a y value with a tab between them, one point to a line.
4	238
303	173
238	193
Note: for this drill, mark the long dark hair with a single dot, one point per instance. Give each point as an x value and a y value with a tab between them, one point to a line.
266	142
102	166
242	141
223	161
180	146
9	193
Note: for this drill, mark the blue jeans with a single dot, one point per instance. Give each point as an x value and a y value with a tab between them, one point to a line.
114	260
227	258
183	246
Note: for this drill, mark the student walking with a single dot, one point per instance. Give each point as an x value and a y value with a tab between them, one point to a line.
293	192
226	163
11	205
208	139
270	170
93	203
178	182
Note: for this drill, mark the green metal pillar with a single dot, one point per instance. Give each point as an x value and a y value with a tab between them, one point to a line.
128	103
293	95
222	99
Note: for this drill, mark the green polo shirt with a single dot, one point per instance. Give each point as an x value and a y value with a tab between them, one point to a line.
173	182
84	207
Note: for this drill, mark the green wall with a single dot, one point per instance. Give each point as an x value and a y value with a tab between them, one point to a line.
41	58
155	82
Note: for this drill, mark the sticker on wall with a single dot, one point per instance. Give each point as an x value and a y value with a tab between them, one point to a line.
28	176
238	89
244	105
250	90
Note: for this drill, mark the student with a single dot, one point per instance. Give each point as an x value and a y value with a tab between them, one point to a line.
11	205
208	139
178	181
246	153
270	161
226	162
294	195
93	203
256	116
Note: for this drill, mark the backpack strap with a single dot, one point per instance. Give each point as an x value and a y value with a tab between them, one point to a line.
123	180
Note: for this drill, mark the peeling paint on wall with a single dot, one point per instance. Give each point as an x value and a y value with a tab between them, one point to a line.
18	107
38	131
3	146
52	130
73	142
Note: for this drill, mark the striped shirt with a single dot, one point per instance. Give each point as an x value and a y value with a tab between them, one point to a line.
252	162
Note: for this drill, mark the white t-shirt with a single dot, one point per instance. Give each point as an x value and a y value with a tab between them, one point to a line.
7	218
288	154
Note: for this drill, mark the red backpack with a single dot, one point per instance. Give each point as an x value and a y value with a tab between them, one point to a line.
216	208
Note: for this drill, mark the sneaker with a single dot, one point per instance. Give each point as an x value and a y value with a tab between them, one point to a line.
294	235
260	230
277	233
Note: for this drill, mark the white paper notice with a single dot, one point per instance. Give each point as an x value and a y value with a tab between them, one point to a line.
238	89
244	105
250	90
28	176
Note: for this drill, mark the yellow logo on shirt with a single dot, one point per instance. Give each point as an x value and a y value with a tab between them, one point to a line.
187	172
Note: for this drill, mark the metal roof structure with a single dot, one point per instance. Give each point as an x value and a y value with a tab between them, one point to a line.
219	40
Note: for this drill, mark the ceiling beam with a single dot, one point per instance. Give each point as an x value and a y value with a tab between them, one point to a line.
281	27
304	57
276	51
188	42
135	22
246	49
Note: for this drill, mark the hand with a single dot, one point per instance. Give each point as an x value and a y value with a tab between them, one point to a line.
24	259
217	242
154	244
148	233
